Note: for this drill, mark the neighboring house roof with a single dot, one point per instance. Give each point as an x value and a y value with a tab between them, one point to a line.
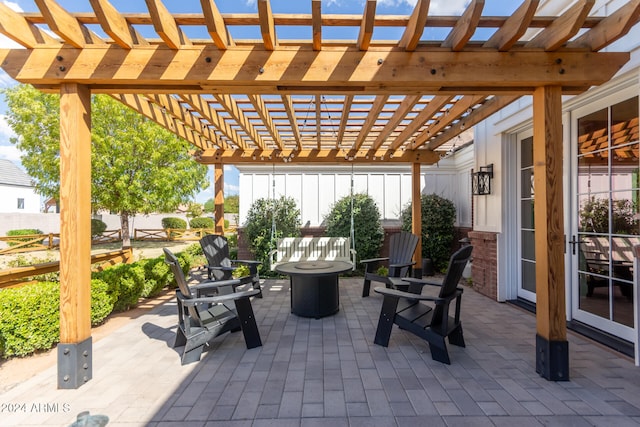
11	174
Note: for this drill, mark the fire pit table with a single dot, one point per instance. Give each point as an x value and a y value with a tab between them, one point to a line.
314	286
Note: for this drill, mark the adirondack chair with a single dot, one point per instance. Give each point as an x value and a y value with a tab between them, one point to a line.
431	323
221	266
201	319
399	262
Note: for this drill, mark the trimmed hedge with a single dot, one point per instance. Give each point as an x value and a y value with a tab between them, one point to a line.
201	222
173	222
23	232
30	316
97	227
126	282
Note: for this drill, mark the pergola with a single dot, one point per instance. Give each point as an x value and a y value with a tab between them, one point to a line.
319	100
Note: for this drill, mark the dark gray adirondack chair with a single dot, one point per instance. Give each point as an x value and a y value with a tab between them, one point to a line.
201	319
399	262
221	266
431	323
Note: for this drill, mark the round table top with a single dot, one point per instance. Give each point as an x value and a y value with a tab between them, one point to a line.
313	268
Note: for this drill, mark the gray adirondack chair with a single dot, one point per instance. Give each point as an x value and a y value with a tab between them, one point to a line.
221	266
203	318
408	310
399	262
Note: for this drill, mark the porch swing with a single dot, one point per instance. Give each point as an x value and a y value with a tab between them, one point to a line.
315	249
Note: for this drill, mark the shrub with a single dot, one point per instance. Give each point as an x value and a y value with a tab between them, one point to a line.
201	222
438	217
23	232
125	284
97	227
101	305
23	261
172	222
156	276
259	226
30	316
368	231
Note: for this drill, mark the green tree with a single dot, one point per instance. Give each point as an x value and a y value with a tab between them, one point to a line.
368	231
231	204
438	218
136	166
259	223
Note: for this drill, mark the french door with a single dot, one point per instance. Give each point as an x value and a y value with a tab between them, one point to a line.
525	218
606	213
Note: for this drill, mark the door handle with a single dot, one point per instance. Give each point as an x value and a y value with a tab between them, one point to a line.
573	243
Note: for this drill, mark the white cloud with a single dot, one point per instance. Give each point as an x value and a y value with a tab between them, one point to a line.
10	152
5	131
436	7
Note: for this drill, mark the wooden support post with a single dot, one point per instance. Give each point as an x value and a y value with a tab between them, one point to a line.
219	197
416	216
74	351
552	348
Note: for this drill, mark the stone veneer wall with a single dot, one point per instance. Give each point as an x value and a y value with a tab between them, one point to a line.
485	263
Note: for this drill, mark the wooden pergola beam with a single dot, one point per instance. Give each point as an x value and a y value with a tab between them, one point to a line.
340	70
215	25
66	25
376	107
563	28
432	108
367	25
415	27
231	106
465	27
610	28
401	112
462	106
479	114
265	116
516	25
293	122
267	25
203	108
326	156
152	111
22	31
165	25
316	24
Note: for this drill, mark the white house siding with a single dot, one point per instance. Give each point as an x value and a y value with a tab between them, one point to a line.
11	194
316	188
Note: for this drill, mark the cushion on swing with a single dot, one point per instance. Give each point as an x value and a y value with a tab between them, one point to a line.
297	249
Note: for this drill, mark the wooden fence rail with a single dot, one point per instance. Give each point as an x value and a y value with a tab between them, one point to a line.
43	242
30	243
171	234
16	276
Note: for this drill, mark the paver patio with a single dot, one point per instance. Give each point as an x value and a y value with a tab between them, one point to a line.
317	372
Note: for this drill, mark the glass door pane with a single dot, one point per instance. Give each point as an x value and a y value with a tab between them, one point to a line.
608	214
527	288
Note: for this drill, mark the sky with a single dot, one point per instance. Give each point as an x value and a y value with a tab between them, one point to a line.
231	176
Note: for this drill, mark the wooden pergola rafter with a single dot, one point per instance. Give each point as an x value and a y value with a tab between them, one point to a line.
230	79
320	99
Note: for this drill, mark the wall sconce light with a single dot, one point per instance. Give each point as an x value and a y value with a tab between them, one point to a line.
481	180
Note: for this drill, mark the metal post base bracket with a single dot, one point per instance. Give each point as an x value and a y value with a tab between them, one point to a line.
552	359
74	364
